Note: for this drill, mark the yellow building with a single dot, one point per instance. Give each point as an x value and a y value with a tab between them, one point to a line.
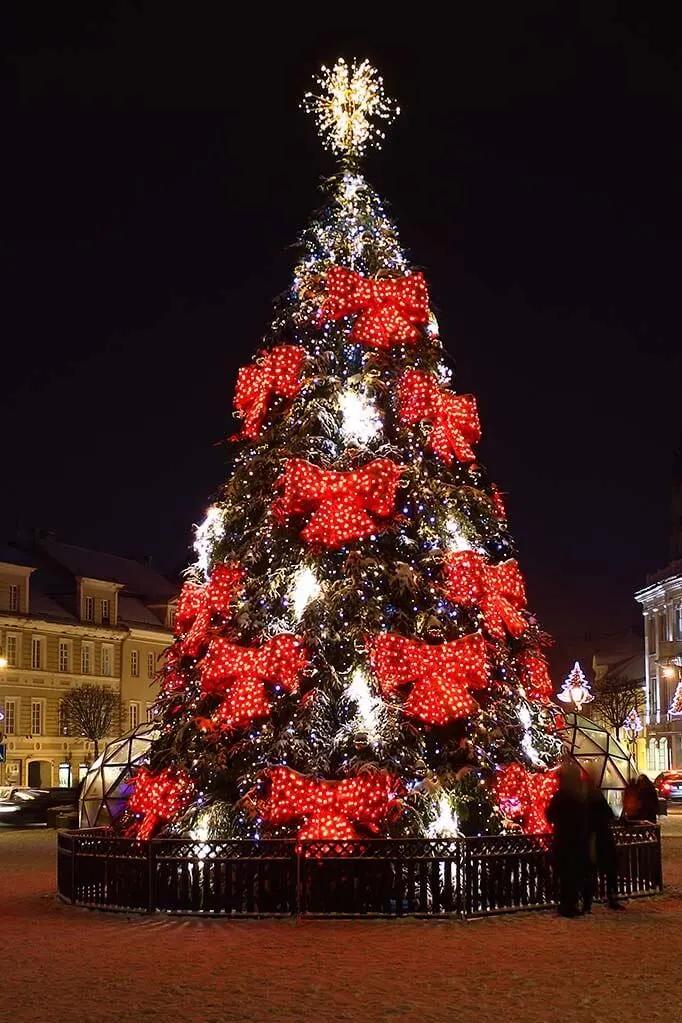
70	616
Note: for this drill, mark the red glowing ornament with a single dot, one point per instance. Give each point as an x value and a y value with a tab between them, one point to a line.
523	797
277	372
534	675
441	676
388	308
329	809
197	605
159	798
241	673
454	417
498	590
344	505
498	503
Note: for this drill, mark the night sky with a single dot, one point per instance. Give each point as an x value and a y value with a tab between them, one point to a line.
156	168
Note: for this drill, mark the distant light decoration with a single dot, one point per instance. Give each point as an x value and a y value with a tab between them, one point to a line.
206	536
361	421
498	591
389	308
197	605
523	796
368	706
576	689
440	676
633	723
350	108
341	506
159	798
455	425
534	676
275	373
305	587
329	809
446	823
240	674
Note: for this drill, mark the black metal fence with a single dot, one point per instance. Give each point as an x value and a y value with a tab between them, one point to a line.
461	877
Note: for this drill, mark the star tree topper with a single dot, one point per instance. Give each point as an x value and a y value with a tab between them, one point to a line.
351	102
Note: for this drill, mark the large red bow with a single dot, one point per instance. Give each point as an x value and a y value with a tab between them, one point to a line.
240	673
441	675
159	797
535	678
454	416
388	308
196	605
524	797
328	809
277	372
344	505
497	589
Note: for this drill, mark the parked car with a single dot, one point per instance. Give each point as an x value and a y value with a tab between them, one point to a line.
669	786
21	806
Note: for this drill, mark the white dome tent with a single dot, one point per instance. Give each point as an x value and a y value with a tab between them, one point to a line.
105	789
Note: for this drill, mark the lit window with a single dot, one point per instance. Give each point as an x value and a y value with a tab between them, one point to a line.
107	660
13	597
151	711
86	658
37	652
134	663
134	714
151	665
10	723
12	651
36	717
64	775
89	609
63	720
104	609
63	655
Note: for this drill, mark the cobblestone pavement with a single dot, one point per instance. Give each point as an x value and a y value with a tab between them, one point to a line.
59	964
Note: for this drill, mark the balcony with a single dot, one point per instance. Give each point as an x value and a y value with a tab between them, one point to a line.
669	650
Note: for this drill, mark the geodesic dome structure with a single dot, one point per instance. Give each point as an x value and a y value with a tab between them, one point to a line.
601	755
106	787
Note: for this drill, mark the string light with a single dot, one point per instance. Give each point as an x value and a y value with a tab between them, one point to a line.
446	824
197	605
368	707
497	590
389	309
352	98
527	744
158	798
454	417
206	536
361	421
305	587
523	797
457	539
534	675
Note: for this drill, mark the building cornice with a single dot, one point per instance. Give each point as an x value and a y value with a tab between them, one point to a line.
660	592
87	630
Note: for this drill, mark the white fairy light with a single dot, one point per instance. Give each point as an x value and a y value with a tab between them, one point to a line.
456	539
206	536
446	824
305	587
368	706
527	741
361	420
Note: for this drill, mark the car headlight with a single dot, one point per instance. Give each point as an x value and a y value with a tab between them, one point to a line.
8	808
25	796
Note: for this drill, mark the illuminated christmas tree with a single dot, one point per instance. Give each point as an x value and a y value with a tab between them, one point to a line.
354	655
676	705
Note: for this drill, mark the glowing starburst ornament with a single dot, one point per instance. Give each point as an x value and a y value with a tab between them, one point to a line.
446	824
361	421
304	588
352	100
456	539
368	706
206	536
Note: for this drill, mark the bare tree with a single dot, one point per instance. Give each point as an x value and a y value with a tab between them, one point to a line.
90	711
614	697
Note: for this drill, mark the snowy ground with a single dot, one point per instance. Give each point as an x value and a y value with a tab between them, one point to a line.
59	964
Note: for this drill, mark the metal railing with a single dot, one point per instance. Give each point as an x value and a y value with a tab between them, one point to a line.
461	877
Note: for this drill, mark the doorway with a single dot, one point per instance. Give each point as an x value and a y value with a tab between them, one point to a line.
39	774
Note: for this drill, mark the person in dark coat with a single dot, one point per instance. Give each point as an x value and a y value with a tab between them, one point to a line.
601	849
648	799
567	813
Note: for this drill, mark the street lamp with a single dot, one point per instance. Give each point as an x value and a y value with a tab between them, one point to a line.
576	689
3	662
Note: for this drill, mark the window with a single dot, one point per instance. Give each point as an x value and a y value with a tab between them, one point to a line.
13	597
10	724
151	711
64	775
678	622
89	609
653	694
107	659
64	658
663	626
104	609
651	631
36	717
37	653
134	715
63	720
12	650
82	771
151	665
87	658
134	663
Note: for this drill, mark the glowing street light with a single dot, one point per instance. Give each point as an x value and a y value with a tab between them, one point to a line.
576	689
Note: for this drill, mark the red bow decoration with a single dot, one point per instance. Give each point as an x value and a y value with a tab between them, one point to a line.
277	372
454	416
441	675
388	308
535	679
497	589
196	605
328	809
159	797
344	505
241	673
498	503
524	797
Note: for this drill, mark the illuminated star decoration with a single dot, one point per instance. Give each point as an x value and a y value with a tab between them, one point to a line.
352	100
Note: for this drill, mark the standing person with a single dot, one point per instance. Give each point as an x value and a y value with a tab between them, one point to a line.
567	812
648	799
602	849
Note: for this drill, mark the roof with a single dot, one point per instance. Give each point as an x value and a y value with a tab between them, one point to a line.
136	577
131	611
14	556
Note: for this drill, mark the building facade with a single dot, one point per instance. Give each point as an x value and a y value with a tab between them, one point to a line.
661	602
70	616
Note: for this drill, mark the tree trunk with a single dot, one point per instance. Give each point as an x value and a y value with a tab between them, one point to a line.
96	742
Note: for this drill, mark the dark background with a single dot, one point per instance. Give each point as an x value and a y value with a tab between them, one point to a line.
156	167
